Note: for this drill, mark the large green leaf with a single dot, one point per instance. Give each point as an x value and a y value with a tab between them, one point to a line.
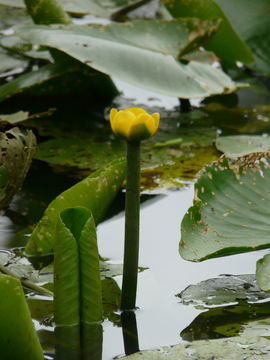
18	338
251	20
253	343
61	79
77	284
226	44
95	193
231	209
125	52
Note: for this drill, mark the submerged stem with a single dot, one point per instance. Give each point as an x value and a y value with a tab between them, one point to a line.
132	211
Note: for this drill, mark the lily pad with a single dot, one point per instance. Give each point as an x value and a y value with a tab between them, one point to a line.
230	213
9	62
149	64
235	146
251	344
225	289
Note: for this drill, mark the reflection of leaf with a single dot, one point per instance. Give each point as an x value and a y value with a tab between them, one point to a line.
142	64
253	343
231	211
16	151
225	321
223	290
95	193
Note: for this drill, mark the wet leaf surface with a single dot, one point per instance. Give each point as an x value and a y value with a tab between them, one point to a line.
251	344
223	290
230	211
235	146
151	67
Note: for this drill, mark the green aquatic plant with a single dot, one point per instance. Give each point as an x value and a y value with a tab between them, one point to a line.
230	213
18	338
95	193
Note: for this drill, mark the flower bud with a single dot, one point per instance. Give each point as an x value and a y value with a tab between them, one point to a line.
134	124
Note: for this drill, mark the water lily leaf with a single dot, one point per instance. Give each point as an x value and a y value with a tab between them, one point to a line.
251	344
151	67
18	338
10	16
263	273
250	19
235	146
230	213
31	79
9	62
95	193
225	289
226	43
224	321
16	151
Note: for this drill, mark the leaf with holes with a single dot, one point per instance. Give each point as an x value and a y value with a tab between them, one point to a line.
16	151
230	213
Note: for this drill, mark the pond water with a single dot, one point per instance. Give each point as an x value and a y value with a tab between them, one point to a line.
161	317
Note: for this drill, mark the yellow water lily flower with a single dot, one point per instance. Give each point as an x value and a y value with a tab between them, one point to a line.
134	124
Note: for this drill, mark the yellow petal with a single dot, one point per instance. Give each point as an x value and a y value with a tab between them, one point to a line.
156	118
123	122
136	110
113	112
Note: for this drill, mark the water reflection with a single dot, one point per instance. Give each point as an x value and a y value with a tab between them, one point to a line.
130	332
80	342
224	321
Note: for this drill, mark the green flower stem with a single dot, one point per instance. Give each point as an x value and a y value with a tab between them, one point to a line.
26	283
132	209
